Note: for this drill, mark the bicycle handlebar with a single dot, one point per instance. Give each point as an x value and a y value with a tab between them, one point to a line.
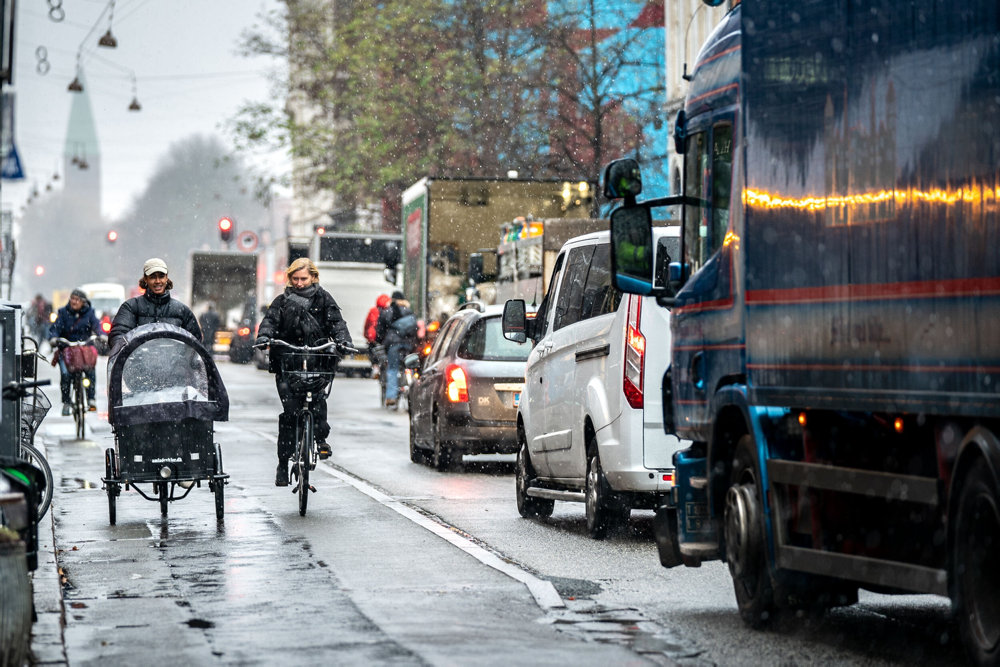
77	343
308	348
15	390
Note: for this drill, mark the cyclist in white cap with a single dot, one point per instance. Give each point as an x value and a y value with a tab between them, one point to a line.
154	305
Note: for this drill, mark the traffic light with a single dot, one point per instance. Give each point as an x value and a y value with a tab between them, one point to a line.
226	229
112	236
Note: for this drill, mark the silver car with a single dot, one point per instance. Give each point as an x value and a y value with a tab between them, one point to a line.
464	400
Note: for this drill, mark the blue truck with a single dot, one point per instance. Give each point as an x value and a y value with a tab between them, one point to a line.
836	306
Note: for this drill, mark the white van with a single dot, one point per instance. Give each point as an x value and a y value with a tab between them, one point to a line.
590	419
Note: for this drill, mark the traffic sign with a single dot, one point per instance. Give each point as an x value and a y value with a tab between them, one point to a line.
246	241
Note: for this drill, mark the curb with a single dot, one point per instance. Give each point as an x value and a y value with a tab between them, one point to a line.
47	641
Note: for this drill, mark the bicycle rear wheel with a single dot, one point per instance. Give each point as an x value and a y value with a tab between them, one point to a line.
305	446
34	457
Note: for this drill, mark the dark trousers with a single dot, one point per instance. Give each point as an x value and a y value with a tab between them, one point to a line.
286	420
66	383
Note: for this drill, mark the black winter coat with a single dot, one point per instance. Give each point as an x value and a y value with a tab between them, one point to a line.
285	321
148	308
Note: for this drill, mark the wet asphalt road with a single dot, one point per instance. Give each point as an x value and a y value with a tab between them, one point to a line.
359	581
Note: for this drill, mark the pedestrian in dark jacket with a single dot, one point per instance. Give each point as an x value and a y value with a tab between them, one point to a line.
154	305
75	321
398	340
304	314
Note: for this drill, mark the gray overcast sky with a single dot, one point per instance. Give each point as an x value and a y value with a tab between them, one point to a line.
188	76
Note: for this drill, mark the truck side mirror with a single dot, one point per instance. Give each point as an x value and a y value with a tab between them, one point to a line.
632	250
515	321
680	133
622	179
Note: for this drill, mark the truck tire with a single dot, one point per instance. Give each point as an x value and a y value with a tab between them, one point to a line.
975	550
665	531
746	550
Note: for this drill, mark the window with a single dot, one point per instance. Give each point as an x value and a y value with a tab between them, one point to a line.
541	319
570	299
599	295
485	341
441	342
709	179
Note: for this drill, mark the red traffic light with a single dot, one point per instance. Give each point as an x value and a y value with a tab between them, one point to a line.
112	236
226	226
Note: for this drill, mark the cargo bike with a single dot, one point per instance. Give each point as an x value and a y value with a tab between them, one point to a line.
164	395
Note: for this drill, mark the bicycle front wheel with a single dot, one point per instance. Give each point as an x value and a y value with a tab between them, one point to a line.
35	458
79	406
304	460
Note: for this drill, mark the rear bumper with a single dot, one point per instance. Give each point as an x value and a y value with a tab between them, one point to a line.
474	436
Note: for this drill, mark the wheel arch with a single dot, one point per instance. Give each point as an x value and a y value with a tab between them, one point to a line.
732	420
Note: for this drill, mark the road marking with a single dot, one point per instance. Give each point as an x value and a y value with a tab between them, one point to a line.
544	592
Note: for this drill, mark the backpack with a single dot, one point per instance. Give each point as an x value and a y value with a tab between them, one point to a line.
405	326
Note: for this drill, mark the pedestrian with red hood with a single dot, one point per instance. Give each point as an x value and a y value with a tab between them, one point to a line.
381	303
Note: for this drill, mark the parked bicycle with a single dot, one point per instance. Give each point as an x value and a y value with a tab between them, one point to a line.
34	406
79	357
309	371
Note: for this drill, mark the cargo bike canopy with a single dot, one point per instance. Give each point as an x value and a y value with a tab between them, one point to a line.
160	372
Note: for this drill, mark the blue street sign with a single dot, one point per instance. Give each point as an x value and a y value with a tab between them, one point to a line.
12	170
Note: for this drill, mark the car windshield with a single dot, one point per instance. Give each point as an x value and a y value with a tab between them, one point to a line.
485	341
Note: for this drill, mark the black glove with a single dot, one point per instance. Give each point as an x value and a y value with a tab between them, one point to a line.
262	341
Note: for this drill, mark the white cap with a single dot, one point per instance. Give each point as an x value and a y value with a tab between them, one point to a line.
154	265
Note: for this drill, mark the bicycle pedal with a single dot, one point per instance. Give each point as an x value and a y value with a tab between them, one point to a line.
296	489
312	488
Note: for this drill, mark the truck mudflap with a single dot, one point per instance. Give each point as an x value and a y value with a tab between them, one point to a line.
697	535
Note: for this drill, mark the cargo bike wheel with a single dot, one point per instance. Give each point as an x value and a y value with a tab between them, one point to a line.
217	484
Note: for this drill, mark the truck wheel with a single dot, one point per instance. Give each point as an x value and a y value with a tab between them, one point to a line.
975	551
528	506
665	530
605	509
745	540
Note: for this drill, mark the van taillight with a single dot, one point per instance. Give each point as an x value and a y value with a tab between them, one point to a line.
457	389
635	354
106	325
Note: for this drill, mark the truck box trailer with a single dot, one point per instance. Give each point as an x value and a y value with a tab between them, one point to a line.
836	308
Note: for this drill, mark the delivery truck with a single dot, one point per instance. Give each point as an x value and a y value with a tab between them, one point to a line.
446	221
836	306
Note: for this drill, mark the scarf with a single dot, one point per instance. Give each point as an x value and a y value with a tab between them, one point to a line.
302	296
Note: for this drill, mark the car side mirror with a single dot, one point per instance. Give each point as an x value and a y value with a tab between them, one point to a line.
515	321
411	361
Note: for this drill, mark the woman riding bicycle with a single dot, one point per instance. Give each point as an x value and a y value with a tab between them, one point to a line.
75	322
304	314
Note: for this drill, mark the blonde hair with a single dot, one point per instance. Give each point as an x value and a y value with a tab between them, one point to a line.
298	265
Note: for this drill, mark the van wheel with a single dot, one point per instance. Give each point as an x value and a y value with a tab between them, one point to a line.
745	542
974	552
606	510
528	506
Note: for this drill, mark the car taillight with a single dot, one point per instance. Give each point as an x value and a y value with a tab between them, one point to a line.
106	324
457	389
426	349
243	331
635	354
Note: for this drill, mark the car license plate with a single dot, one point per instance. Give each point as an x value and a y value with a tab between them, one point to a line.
517	398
